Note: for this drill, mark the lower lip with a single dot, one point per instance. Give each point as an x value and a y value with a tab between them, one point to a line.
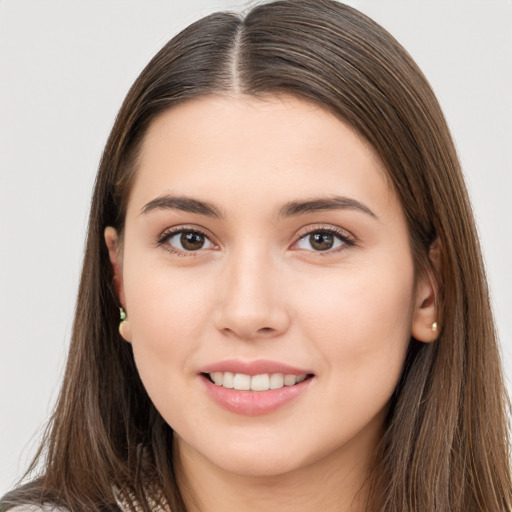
254	403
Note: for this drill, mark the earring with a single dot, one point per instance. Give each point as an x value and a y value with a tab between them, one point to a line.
434	326
122	316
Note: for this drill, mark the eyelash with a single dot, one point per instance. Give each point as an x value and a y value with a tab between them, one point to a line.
169	233
340	234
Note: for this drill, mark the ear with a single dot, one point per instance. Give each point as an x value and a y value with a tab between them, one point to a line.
425	322
114	252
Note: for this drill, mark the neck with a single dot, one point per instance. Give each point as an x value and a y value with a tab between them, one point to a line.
338	482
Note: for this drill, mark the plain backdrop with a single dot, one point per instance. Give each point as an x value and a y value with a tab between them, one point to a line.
65	66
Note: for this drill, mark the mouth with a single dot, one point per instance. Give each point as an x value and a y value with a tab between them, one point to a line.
261	382
256	387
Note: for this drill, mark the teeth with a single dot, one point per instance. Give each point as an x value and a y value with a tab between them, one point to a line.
290	380
263	382
260	382
276	381
242	382
228	380
217	377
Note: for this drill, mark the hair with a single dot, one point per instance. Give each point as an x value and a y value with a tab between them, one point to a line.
445	444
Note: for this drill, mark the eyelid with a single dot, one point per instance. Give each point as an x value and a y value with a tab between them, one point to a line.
344	235
169	232
330	228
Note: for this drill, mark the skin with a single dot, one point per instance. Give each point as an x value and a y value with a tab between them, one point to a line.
259	289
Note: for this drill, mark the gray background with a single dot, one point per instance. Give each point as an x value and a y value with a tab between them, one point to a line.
65	67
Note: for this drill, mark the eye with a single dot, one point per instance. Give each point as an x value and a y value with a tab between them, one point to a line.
186	240
322	240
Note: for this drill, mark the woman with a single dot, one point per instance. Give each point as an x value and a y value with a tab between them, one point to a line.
280	215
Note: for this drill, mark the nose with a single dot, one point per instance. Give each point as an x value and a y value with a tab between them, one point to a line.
252	299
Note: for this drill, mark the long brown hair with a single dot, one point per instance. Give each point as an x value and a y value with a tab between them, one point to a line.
445	445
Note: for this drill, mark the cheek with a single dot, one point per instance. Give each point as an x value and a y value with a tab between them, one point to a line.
165	305
167	312
361	331
361	324
166	333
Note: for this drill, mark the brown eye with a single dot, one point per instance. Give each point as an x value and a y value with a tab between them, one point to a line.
192	241
321	241
186	241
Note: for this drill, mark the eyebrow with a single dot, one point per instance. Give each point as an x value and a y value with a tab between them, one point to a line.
290	209
294	208
185	204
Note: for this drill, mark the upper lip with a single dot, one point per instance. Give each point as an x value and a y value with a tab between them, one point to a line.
257	367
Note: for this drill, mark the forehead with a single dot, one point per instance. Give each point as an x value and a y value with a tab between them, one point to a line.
277	146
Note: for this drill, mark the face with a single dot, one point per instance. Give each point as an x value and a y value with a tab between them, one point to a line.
268	282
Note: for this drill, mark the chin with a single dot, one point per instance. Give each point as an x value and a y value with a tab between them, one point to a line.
244	457
257	466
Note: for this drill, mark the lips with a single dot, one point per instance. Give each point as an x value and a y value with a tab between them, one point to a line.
257	367
256	387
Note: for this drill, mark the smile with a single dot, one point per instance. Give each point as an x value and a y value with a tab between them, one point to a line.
252	388
262	382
